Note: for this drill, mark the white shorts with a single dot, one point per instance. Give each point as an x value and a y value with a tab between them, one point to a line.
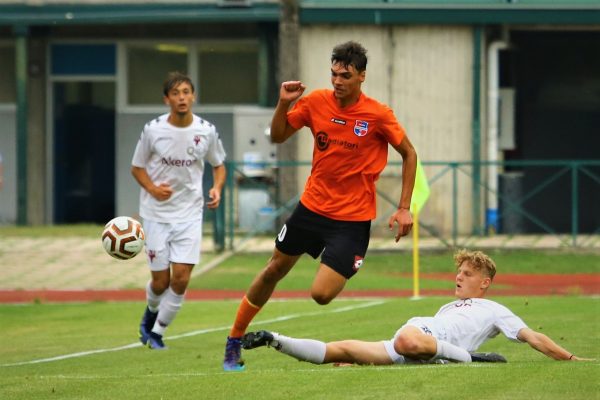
172	243
427	325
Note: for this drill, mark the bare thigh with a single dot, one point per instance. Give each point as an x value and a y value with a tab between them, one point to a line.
357	352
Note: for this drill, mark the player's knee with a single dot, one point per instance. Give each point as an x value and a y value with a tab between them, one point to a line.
322	298
159	286
179	287
406	345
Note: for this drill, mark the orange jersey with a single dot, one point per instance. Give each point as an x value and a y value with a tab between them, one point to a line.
350	151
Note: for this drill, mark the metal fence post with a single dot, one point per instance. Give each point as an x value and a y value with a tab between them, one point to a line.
574	201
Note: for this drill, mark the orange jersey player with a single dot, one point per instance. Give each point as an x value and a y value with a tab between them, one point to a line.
333	218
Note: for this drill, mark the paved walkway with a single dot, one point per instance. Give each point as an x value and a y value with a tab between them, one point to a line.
78	264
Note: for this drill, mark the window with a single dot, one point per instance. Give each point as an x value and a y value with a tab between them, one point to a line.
8	89
224	72
228	73
147	69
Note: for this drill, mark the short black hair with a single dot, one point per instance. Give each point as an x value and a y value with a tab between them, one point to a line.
176	78
350	53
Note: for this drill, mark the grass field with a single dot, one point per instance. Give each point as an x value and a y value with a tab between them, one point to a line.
392	270
90	350
111	364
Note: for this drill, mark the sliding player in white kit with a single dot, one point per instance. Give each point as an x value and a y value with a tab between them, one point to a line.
168	163
453	334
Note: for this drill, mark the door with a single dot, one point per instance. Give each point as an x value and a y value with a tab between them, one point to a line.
84	151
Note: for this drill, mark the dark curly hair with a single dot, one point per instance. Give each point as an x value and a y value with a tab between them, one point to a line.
350	53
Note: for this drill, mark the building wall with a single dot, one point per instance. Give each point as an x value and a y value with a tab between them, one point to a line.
424	73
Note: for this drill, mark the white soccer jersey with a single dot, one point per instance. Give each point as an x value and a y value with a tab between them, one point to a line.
468	323
176	156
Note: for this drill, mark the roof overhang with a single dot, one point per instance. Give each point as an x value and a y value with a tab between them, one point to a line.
450	12
119	13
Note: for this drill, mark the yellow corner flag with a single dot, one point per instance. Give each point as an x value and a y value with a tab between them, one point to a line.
420	191
419	197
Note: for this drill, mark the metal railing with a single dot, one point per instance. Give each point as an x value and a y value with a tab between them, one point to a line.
572	186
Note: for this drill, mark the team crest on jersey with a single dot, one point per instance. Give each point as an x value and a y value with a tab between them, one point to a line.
361	128
151	255
197	139
358	262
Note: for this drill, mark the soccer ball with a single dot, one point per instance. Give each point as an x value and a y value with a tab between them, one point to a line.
123	238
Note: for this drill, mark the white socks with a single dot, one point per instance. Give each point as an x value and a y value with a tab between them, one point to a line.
169	307
301	349
152	299
451	352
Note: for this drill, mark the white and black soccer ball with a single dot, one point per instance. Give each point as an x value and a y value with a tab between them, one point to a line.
123	237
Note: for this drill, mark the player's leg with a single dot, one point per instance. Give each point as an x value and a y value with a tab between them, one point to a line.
346	244
264	283
154	293
184	252
291	242
257	295
318	352
357	352
421	343
173	298
327	284
158	263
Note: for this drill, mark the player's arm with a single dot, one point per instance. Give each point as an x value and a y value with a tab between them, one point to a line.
281	130
402	215
219	174
545	345
161	192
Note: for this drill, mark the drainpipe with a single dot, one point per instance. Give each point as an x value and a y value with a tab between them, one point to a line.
491	214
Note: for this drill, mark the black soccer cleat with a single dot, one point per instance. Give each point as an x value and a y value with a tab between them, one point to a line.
487	357
252	340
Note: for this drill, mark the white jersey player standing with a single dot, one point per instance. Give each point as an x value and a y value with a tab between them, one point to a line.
453	334
168	163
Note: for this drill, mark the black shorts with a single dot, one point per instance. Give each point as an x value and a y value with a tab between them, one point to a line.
345	243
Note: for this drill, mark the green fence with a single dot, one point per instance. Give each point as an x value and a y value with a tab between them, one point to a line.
543	197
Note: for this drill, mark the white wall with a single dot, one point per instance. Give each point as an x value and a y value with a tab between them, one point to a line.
424	73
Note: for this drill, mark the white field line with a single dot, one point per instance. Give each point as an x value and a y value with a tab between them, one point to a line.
195	333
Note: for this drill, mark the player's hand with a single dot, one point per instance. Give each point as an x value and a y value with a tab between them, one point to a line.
215	198
162	192
291	90
403	218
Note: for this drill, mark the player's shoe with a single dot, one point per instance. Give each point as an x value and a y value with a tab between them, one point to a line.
233	355
147	324
155	341
252	340
487	357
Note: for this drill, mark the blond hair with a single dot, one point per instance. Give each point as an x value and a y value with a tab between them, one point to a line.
478	260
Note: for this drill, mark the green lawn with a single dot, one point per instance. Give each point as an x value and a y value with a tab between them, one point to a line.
107	369
392	270
90	350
